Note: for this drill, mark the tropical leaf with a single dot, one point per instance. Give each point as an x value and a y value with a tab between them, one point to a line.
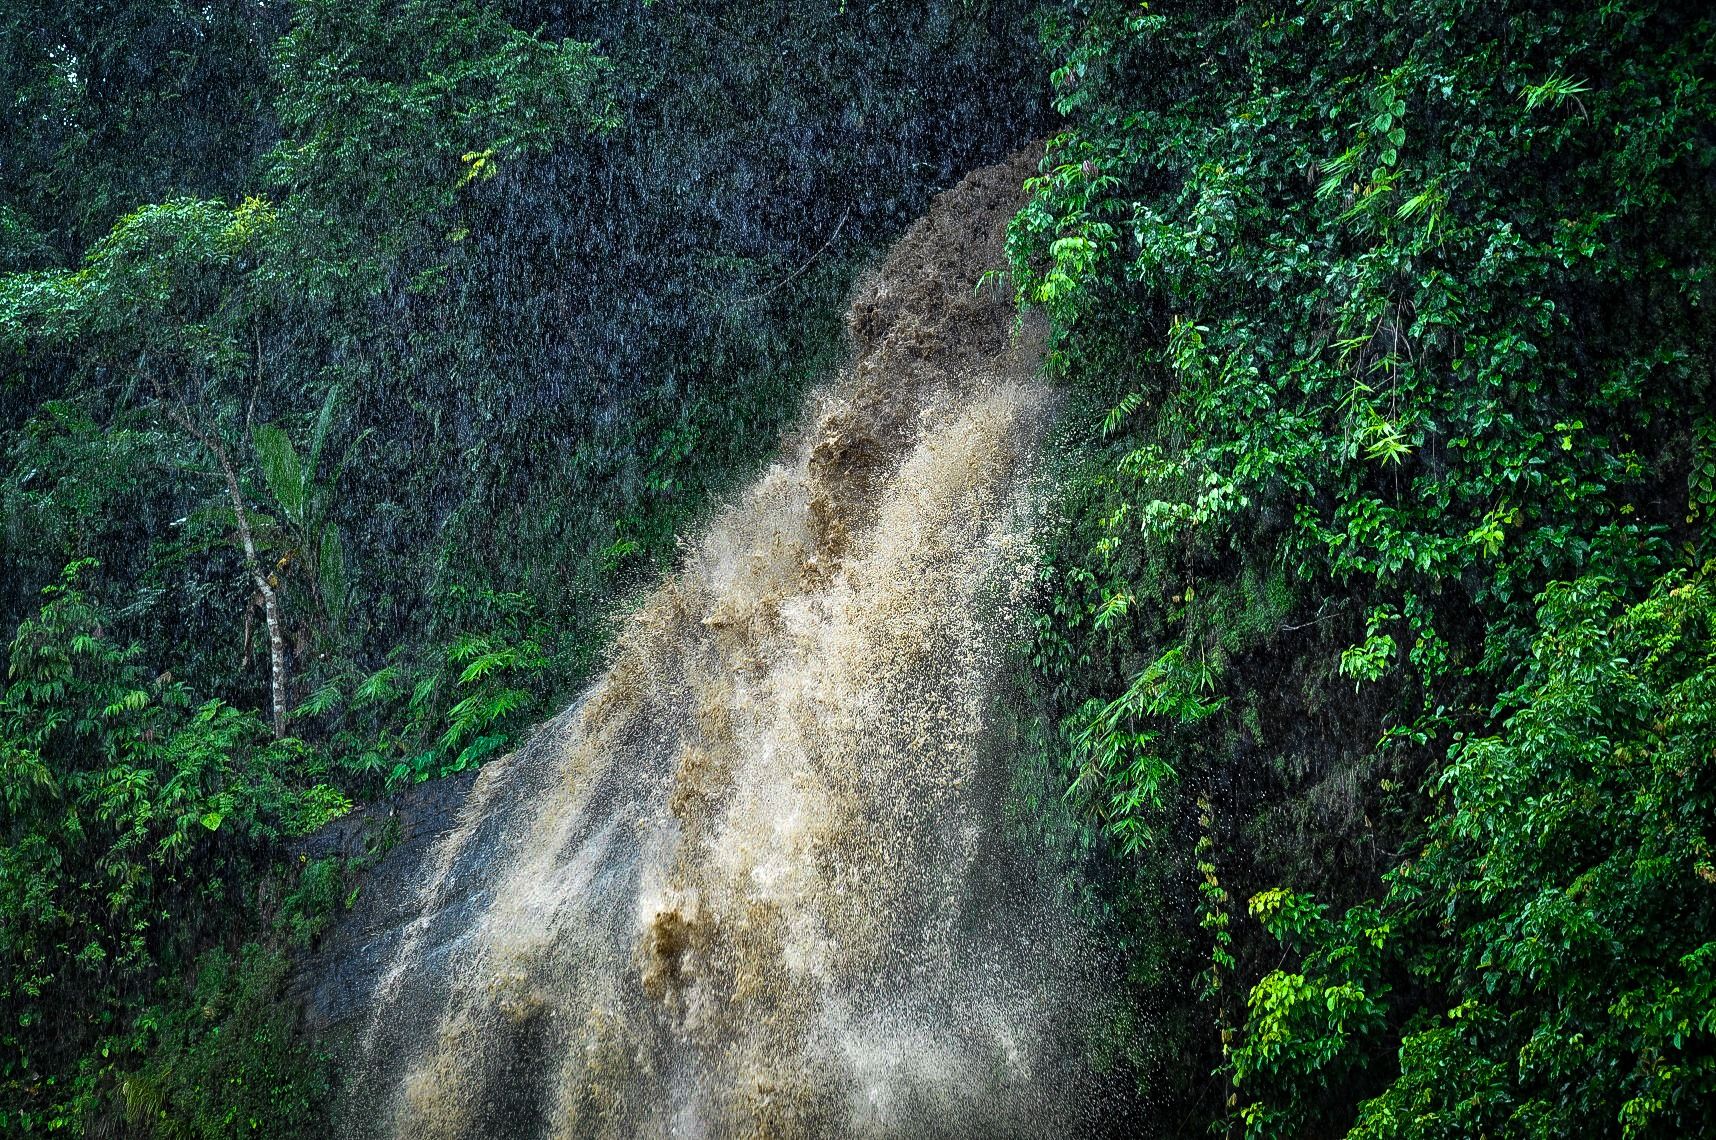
319	435
486	664
281	469
331	566
325	698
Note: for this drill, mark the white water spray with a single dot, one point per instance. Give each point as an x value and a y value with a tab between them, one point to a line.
756	882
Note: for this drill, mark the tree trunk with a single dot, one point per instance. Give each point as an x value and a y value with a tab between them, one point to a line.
264	585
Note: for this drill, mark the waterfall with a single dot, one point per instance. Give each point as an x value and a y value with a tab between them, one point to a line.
756	882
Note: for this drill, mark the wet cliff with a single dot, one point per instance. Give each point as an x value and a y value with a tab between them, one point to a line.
757	881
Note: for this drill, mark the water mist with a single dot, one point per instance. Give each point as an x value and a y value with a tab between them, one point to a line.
756	881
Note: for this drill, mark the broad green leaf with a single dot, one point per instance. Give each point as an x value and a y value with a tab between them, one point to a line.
281	470
331	566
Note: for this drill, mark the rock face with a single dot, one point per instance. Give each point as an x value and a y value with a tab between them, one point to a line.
757	881
340	979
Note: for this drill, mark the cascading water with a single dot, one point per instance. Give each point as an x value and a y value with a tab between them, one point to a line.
756	882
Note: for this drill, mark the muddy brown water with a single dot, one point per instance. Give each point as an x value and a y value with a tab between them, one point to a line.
756	881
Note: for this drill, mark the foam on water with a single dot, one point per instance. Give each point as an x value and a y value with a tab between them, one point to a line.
756	882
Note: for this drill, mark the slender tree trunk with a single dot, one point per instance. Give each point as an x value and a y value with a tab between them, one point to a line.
270	600
264	584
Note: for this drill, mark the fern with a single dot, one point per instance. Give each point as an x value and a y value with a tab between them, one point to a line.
382	685
1118	413
325	699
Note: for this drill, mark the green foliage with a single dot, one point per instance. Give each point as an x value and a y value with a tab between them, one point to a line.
1379	320
75	479
112	105
221	1053
304	532
1547	960
165	284
134	818
1116	749
162	334
226	1059
22	246
423	716
389	108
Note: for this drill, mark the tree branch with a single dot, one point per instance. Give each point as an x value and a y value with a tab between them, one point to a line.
264	582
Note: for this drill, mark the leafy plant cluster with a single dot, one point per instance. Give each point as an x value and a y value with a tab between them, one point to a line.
1554	931
138	823
422	716
173	328
1388	332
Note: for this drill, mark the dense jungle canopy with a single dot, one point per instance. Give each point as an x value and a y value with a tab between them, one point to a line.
362	362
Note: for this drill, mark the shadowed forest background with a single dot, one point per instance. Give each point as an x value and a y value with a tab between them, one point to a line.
362	363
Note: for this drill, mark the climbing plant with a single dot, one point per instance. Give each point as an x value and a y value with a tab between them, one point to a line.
1382	321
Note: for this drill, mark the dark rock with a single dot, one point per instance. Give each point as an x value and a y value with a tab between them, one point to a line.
390	843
